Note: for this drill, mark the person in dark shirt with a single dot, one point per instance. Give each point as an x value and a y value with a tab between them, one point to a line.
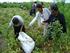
57	15
33	9
17	24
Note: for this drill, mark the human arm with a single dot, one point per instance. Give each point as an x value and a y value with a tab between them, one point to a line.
35	18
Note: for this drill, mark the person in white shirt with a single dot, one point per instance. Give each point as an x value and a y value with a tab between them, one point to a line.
41	15
18	24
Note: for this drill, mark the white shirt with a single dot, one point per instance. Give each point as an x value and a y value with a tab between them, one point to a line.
18	17
41	17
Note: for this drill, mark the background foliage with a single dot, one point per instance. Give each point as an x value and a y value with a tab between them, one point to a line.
11	45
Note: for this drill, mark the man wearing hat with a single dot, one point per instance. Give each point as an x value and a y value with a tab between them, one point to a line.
56	15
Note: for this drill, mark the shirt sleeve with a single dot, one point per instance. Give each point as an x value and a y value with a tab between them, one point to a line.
62	22
48	11
35	18
20	19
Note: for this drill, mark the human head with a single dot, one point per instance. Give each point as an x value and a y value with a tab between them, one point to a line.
15	21
39	7
54	9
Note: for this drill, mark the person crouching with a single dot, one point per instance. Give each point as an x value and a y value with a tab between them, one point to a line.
17	24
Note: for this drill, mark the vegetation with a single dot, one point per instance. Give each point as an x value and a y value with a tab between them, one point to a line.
60	43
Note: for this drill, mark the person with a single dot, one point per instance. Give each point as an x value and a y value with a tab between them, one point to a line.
33	9
18	24
57	15
41	15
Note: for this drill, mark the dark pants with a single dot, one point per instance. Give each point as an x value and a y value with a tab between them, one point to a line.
17	30
32	11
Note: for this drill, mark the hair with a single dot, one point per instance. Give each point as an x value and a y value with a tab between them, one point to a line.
35	2
15	21
39	5
54	7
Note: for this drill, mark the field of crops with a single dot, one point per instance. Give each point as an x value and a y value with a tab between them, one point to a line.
11	45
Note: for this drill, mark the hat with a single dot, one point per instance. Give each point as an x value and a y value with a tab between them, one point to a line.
54	7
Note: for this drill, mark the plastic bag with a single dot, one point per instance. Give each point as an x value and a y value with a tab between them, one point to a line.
27	42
